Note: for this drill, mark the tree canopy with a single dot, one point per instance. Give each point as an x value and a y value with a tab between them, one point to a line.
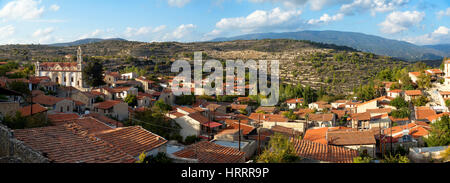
93	73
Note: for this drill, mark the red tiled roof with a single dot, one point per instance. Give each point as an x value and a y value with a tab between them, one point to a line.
268	117
285	130
380	110
415	73
209	152
187	109
323	152
345	138
361	116
105	119
246	129
424	113
132	140
25	111
62	117
266	109
69	143
319	134
198	117
415	129
211	124
107	104
413	92
238	107
398	119
395	91
320	117
294	101
339	113
47	100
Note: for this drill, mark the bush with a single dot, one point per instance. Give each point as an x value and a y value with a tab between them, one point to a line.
191	139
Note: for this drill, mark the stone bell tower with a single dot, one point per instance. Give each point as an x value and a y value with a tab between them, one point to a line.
79	58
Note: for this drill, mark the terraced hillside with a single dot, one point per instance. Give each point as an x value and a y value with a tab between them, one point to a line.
337	68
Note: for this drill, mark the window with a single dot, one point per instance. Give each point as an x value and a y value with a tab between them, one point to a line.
68	108
62	109
71	79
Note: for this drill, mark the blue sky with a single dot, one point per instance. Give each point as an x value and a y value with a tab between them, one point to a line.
51	21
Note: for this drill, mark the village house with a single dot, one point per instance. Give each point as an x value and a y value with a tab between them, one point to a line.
87	98
427	154
293	103
360	121
408	135
423	113
322	120
319	106
117	92
112	77
166	96
144	99
414	76
128	76
412	94
319	135
395	93
9	102
35	108
55	104
339	104
240	107
113	108
363	141
147	84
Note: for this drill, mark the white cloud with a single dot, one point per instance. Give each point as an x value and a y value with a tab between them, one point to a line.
442	13
440	35
181	33
7	31
178	3
43	32
374	6
401	21
99	33
22	10
44	35
275	19
325	19
54	7
130	32
314	4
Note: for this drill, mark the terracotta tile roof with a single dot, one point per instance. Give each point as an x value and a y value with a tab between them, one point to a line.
444	92
132	140
266	109
37	92
416	130
294	101
37	108
380	110
47	100
91	125
435	71
437	116
321	117
361	116
339	113
104	119
268	117
388	84
62	117
243	99
424	112
395	91
107	104
37	80
246	129
114	74
319	134
323	152
209	152
285	130
212	124
238	107
398	119
345	138
68	143
187	109
415	73
199	117
413	92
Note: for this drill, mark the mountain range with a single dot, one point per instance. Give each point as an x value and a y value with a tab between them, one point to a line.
363	42
84	41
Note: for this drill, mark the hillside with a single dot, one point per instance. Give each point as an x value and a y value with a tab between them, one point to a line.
445	48
85	41
337	68
359	41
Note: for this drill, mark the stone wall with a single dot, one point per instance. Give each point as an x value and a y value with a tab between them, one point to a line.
15	149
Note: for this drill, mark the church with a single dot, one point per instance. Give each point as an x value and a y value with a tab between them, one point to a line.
64	73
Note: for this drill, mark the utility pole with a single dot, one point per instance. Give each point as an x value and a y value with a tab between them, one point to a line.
239	135
259	134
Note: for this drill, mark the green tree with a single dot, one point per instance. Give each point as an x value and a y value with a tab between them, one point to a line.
398	158
20	87
279	150
440	133
93	74
131	100
421	101
401	113
424	81
399	102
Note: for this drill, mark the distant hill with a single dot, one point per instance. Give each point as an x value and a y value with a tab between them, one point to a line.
359	41
84	41
445	48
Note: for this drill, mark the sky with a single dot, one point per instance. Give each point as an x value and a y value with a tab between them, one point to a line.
53	21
